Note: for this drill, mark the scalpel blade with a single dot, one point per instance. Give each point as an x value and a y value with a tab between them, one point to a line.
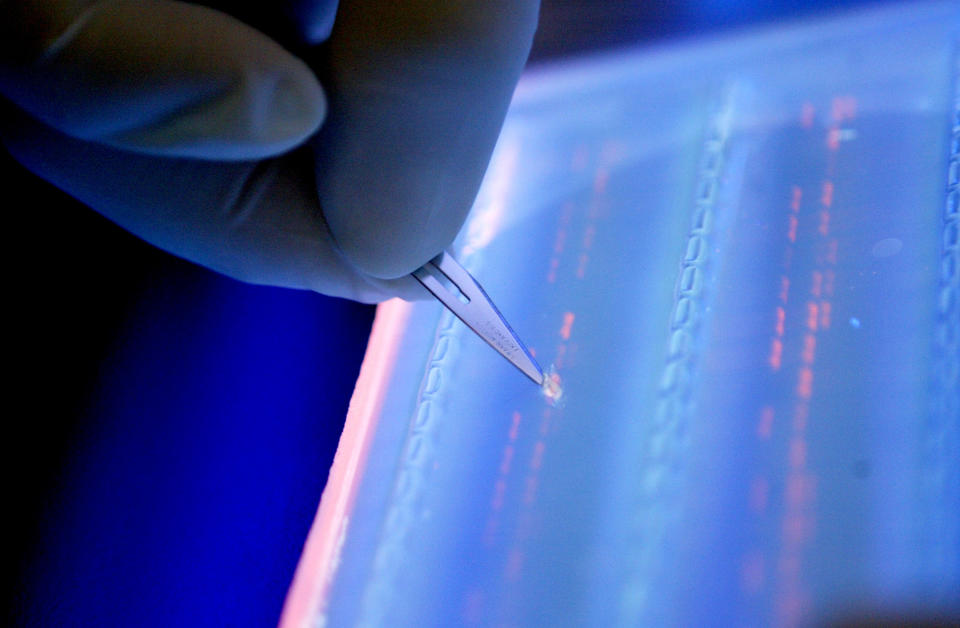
468	302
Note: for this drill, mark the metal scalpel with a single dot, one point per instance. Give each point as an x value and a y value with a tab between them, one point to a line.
450	282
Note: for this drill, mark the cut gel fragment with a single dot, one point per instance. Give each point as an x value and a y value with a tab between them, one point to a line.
552	387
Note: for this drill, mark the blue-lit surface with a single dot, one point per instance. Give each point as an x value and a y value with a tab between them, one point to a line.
742	259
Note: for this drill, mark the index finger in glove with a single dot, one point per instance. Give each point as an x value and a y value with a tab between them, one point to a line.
418	90
156	76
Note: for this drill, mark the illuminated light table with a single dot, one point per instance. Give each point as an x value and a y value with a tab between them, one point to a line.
741	257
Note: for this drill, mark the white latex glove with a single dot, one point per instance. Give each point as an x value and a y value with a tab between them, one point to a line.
190	129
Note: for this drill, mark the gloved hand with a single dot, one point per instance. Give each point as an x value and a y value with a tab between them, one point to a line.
198	132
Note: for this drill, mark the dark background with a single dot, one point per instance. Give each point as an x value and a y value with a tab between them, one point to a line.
169	431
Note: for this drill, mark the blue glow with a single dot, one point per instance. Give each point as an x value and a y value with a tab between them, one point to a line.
202	459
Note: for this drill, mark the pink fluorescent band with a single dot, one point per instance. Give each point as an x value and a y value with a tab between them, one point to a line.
307	597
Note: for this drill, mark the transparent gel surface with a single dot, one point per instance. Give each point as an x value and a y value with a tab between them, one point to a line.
741	257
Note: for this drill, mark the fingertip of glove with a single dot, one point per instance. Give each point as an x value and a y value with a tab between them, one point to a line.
172	79
262	112
255	100
295	106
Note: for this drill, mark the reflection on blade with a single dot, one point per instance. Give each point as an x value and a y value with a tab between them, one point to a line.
459	291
